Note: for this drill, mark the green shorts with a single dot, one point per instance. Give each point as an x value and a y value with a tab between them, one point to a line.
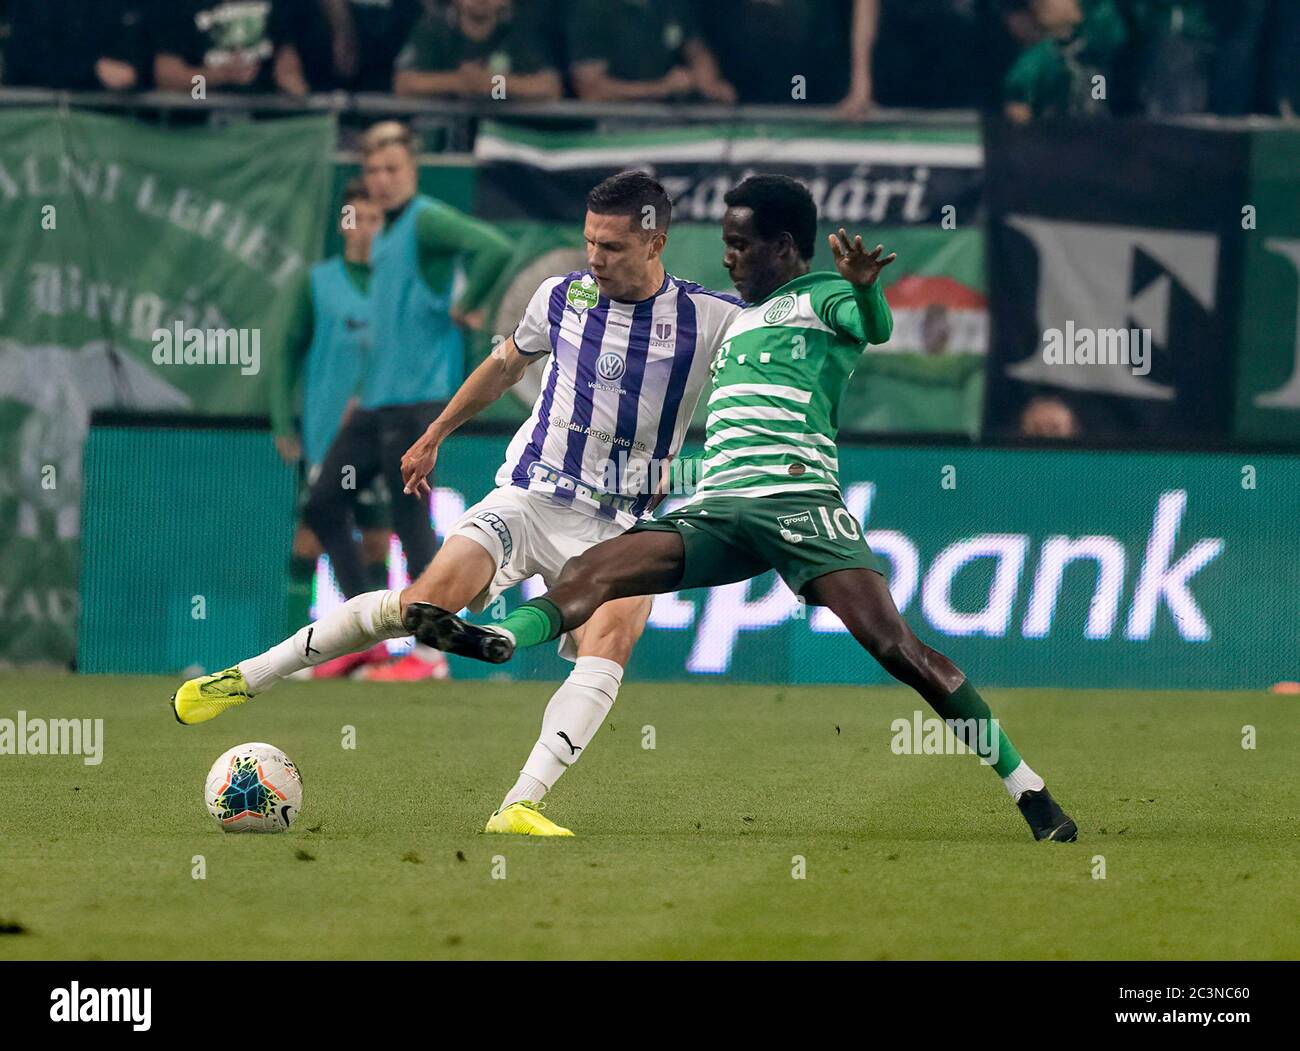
800	535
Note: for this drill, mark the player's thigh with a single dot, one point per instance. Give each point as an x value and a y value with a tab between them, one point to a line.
614	629
459	572
504	525
712	552
630	564
861	600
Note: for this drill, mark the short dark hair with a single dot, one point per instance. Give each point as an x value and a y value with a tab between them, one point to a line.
355	190
630	193
781	205
387	133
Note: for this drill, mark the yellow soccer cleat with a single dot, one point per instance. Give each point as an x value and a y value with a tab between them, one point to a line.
524	819
206	697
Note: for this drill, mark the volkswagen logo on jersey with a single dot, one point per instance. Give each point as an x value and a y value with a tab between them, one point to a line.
610	366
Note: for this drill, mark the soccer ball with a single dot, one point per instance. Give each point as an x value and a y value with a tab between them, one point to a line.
254	788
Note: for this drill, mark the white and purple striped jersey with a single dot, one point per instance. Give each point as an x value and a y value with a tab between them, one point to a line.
618	393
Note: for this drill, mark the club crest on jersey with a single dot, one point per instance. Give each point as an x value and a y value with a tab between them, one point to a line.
780	310
610	366
583	295
663	331
795	529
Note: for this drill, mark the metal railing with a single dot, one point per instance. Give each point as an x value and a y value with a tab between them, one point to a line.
449	124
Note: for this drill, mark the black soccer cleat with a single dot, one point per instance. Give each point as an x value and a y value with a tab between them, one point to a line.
445	631
1046	818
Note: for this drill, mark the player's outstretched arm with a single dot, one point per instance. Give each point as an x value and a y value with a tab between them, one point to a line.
499	371
866	316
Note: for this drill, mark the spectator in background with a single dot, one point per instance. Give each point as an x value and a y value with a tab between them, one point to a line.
74	45
353	44
324	353
927	54
233	44
459	51
1047	416
1057	77
1169	63
781	51
1256	62
640	49
415	362
1282	77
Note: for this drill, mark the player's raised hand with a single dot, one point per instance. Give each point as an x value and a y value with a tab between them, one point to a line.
855	264
417	465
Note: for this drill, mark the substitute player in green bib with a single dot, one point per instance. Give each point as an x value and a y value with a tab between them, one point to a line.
769	496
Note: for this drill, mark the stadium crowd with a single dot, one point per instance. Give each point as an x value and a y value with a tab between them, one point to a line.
1032	58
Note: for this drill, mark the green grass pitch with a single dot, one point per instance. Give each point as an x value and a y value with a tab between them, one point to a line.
683	851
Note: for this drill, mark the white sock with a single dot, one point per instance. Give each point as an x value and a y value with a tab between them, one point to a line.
356	625
1022	779
527	787
572	717
426	653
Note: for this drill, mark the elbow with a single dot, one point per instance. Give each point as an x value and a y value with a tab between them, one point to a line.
404	84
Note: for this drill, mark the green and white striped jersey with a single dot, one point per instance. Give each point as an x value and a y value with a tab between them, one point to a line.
778	376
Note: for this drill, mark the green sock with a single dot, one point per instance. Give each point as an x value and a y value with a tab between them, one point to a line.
302	571
377	576
534	622
964	704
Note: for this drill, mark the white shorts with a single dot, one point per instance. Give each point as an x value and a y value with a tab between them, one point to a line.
530	534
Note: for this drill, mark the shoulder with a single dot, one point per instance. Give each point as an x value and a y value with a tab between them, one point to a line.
708	296
818	289
325	267
559	281
822	284
316	277
423	205
1032	63
549	288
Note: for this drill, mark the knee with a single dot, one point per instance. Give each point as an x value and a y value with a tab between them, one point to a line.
306	544
325	504
614	643
374	545
895	647
583	567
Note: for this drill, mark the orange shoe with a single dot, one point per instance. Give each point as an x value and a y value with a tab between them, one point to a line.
343	666
411	668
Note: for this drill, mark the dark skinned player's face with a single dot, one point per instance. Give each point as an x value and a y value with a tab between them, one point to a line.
757	267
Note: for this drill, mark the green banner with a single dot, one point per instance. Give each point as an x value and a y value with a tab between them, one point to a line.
144	269
916	190
1268	347
1019	565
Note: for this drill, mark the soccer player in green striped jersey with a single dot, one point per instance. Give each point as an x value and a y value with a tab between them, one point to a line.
769	496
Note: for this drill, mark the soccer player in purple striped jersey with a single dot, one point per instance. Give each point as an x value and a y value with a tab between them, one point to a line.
626	349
